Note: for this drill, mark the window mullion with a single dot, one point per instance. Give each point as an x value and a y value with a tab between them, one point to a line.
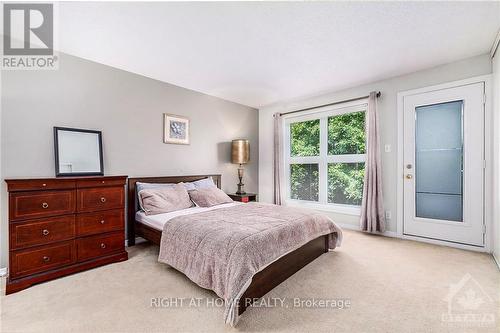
348	158
323	165
304	160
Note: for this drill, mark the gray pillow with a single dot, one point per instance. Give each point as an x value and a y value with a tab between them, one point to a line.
202	183
164	199
189	186
145	186
208	197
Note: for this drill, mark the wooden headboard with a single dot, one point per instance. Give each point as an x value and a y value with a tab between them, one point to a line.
131	195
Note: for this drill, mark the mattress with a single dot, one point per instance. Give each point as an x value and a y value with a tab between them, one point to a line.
158	221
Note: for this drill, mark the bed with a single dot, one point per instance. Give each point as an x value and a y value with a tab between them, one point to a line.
260	283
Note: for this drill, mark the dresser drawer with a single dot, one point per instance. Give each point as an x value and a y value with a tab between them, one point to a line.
100	222
27	205
83	183
42	231
94	199
40	259
97	246
40	184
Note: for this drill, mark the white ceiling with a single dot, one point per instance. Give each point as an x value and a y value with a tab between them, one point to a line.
259	53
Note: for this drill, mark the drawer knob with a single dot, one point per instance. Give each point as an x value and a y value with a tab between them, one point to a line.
103	199
45	205
45	232
102	221
103	246
44	184
103	181
46	259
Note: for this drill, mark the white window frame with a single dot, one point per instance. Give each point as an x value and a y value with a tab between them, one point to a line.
323	159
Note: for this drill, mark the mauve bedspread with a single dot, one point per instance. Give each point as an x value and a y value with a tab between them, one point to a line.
224	248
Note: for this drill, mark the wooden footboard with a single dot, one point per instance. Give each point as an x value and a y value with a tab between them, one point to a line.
282	269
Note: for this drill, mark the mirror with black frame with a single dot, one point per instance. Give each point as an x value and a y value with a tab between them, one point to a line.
78	152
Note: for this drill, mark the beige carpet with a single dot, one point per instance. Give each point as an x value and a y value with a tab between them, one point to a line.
392	285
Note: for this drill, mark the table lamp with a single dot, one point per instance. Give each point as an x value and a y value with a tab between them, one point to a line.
240	154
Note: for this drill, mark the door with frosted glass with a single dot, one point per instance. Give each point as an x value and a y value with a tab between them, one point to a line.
444	164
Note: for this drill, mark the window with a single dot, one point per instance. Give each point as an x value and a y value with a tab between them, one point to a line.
304	182
325	157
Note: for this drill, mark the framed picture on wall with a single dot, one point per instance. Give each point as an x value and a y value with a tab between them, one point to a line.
175	129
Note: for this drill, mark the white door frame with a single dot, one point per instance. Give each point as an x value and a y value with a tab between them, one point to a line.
488	172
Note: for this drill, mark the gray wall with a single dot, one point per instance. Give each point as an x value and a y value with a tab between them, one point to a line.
387	106
128	109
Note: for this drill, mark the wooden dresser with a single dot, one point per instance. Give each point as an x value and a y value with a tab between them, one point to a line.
59	226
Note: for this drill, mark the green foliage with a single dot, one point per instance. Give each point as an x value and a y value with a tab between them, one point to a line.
346	134
304	182
345	183
304	137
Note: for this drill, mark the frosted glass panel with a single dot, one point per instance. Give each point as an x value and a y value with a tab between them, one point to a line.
439	126
439	161
439	171
439	206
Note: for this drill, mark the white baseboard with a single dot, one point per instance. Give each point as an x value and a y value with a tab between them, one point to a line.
388	233
356	228
3	271
496	260
347	226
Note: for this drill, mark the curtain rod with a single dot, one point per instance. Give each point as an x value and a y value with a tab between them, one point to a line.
329	104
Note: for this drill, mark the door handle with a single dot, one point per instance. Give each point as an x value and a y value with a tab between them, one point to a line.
409	176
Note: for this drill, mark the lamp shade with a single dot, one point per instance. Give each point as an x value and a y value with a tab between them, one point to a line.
240	151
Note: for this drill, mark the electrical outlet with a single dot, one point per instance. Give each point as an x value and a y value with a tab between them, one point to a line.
387	148
388	215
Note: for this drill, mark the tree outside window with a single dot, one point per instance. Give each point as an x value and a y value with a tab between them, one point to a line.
342	159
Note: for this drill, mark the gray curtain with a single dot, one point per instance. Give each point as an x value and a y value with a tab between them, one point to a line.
372	207
278	159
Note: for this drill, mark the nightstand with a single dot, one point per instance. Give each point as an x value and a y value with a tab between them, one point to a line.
247	197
